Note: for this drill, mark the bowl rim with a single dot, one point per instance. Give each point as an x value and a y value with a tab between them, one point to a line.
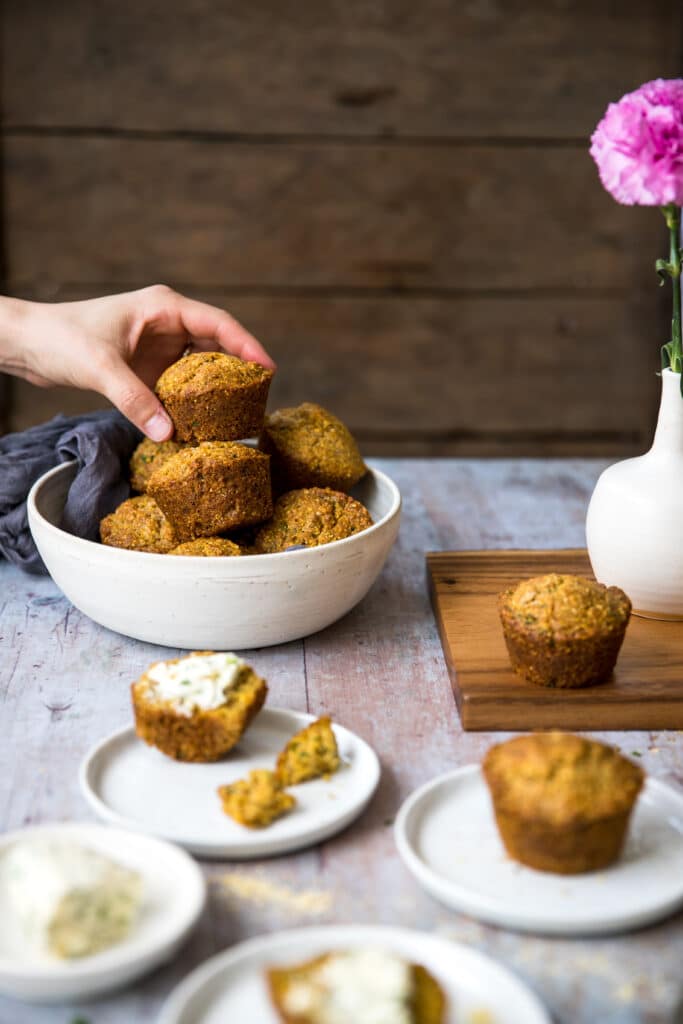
88	545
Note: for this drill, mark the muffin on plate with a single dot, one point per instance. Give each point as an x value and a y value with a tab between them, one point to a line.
563	631
311	517
215	487
562	803
211	396
208	547
147	457
344	984
311	754
196	708
309	447
256	801
139	525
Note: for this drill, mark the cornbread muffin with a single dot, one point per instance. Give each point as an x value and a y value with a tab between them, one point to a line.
211	396
311	517
309	447
563	631
356	985
310	754
140	525
215	487
208	547
147	457
196	708
256	801
562	803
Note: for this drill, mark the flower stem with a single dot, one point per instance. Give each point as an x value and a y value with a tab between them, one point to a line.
672	214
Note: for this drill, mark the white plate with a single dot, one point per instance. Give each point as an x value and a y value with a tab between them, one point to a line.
173	900
230	986
131	784
447	836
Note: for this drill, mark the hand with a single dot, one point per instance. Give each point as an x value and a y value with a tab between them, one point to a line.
118	345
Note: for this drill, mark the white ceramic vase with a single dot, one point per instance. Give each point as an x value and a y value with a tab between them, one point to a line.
634	527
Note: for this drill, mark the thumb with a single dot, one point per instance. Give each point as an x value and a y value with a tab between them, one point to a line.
135	400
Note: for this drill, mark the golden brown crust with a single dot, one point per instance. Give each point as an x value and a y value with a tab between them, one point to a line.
562	803
148	456
256	801
204	735
311	754
138	524
428	1005
309	447
563	631
311	517
212	488
208	547
211	396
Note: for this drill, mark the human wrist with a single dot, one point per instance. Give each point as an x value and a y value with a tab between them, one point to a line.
14	334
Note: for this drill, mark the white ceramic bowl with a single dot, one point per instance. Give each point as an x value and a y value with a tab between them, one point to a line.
214	603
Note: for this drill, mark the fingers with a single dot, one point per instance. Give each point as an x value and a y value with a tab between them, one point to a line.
134	399
208	322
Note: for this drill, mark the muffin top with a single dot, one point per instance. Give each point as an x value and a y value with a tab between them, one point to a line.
204	371
208	547
147	457
314	437
140	525
561	778
568	607
312	516
194	461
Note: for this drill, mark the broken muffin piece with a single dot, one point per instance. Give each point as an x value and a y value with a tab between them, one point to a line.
256	801
311	754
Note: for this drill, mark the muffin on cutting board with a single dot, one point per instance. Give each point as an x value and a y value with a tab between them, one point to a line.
356	984
196	708
562	803
563	631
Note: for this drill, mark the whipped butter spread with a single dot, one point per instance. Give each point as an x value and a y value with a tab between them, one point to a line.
366	986
198	681
67	899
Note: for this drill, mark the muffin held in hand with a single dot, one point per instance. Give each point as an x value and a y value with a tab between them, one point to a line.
208	547
140	525
256	801
211	396
309	447
310	754
148	456
562	803
311	517
563	631
196	708
215	487
354	984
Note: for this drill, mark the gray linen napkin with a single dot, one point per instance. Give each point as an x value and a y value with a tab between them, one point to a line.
100	442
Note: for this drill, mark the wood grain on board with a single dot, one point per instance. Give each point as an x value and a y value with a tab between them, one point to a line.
516	67
645	692
318	215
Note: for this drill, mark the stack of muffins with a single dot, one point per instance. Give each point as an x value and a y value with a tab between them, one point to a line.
205	493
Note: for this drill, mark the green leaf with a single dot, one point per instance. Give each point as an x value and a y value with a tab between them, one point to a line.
666	356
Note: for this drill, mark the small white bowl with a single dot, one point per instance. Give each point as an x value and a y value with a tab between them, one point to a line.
174	894
214	603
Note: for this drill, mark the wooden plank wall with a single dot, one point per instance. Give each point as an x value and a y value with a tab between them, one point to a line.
397	198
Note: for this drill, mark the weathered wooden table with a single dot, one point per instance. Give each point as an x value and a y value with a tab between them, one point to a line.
64	685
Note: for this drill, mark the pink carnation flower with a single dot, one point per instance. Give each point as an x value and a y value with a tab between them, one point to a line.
638	145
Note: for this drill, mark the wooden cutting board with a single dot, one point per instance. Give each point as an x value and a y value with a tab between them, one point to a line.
645	692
